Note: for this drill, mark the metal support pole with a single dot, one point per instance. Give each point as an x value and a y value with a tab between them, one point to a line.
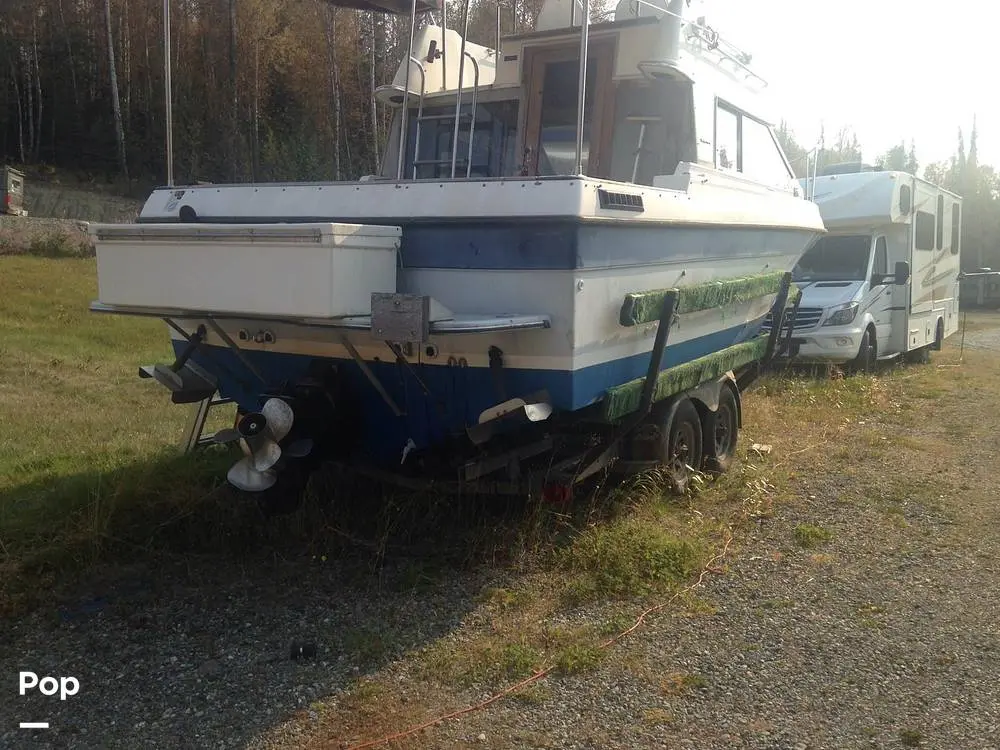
444	44
461	79
168	93
404	116
582	86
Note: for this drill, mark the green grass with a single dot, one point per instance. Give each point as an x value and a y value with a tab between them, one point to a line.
88	453
808	535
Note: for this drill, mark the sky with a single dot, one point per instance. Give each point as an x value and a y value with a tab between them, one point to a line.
890	69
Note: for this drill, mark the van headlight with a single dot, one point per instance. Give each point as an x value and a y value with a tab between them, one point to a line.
842	315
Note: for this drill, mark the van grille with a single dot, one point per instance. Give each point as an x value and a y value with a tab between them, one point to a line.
805	318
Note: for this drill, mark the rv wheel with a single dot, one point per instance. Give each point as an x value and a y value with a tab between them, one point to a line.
867	354
721	432
684	445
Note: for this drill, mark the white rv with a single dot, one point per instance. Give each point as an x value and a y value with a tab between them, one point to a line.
883	282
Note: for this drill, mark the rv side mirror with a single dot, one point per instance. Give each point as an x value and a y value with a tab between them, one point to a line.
902	272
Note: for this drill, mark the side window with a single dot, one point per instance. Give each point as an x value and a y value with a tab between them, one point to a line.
880	266
940	222
727	139
956	228
761	158
924	230
746	145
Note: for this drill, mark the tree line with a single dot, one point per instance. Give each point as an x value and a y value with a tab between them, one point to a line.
262	89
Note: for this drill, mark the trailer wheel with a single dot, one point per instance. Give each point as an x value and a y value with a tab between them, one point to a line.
684	445
721	431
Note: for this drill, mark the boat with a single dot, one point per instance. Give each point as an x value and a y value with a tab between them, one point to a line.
556	251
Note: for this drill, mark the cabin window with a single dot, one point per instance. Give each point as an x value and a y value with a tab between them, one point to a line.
653	130
493	141
746	145
880	265
924	230
956	228
761	156
940	222
557	130
551	76
727	139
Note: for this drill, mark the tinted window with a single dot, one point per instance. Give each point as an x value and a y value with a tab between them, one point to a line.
881	262
924	230
835	258
940	221
956	231
760	158
492	143
904	199
727	134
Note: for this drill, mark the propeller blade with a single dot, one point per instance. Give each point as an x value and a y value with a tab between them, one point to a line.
299	448
264	451
227	435
279	417
244	477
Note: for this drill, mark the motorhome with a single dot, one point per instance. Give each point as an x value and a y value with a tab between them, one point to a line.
883	282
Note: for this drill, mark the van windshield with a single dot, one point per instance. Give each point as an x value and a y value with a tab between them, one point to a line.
835	258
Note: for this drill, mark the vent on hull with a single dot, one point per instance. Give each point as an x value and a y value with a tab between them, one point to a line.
620	201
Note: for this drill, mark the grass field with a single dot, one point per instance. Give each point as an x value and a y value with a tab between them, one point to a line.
90	472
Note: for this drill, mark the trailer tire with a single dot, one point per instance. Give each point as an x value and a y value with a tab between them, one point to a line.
683	455
721	432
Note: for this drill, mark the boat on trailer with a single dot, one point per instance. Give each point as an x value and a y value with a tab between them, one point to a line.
559	267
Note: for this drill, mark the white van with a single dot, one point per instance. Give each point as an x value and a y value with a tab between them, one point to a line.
884	281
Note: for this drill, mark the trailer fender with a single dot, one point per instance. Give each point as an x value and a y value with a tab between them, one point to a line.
706	396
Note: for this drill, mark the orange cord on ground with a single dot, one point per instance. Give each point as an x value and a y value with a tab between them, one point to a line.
709	567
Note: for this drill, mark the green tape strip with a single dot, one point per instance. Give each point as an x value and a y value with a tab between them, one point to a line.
645	307
624	399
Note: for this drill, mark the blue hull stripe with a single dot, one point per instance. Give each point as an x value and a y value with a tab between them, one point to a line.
463	393
570	244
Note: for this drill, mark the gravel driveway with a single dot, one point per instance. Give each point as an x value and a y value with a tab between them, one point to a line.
883	636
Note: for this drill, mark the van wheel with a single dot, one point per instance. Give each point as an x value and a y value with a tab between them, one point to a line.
684	446
938	336
721	431
867	354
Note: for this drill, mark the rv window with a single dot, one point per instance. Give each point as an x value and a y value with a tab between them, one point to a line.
940	222
904	200
727	139
880	267
956	228
760	157
924	231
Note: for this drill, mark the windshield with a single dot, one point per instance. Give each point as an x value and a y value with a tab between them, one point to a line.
835	258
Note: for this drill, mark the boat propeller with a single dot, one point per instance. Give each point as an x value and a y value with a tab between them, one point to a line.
260	435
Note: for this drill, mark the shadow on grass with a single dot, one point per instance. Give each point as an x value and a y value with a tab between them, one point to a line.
167	562
177	508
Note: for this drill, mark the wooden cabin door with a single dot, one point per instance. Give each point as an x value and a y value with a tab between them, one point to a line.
552	78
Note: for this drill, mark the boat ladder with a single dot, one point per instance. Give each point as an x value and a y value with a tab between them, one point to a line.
459	117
